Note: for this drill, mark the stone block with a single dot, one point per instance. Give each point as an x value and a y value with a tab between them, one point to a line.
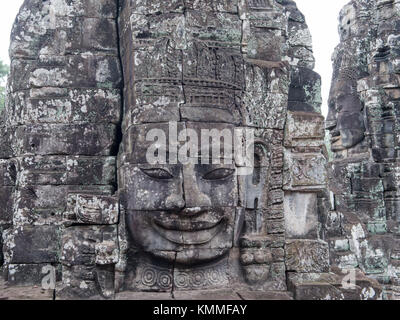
265	20
301	215
8	172
300	36
329	286
46	204
339	177
86	282
156	112
304	129
371	185
24	293
256	273
81	244
344	260
6	203
304	172
265	110
6	150
95	209
73	71
33	274
107	253
66	170
86	140
97	34
307	256
28	39
152	7
33	245
305	91
275	226
59	105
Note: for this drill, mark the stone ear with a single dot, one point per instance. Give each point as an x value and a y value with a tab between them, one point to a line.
255	252
256	181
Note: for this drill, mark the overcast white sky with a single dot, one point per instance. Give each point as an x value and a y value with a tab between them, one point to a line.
321	16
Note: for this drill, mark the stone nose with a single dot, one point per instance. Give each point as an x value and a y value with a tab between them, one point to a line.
175	202
331	119
193	196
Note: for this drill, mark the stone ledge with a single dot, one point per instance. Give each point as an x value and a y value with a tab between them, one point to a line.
24	293
215	295
37	293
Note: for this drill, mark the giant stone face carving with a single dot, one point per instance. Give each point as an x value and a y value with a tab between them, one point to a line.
364	191
187	67
345	118
182	213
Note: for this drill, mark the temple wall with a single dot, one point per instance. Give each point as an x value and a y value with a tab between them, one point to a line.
63	118
91	78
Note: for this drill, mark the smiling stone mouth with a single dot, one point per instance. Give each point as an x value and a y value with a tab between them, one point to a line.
337	143
189	232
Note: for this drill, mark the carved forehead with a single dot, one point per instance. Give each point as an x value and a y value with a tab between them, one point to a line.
190	62
349	12
199	63
345	86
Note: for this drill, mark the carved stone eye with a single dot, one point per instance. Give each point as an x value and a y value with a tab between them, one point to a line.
218	174
158	173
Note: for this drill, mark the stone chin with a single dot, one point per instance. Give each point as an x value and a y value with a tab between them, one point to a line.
186	241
